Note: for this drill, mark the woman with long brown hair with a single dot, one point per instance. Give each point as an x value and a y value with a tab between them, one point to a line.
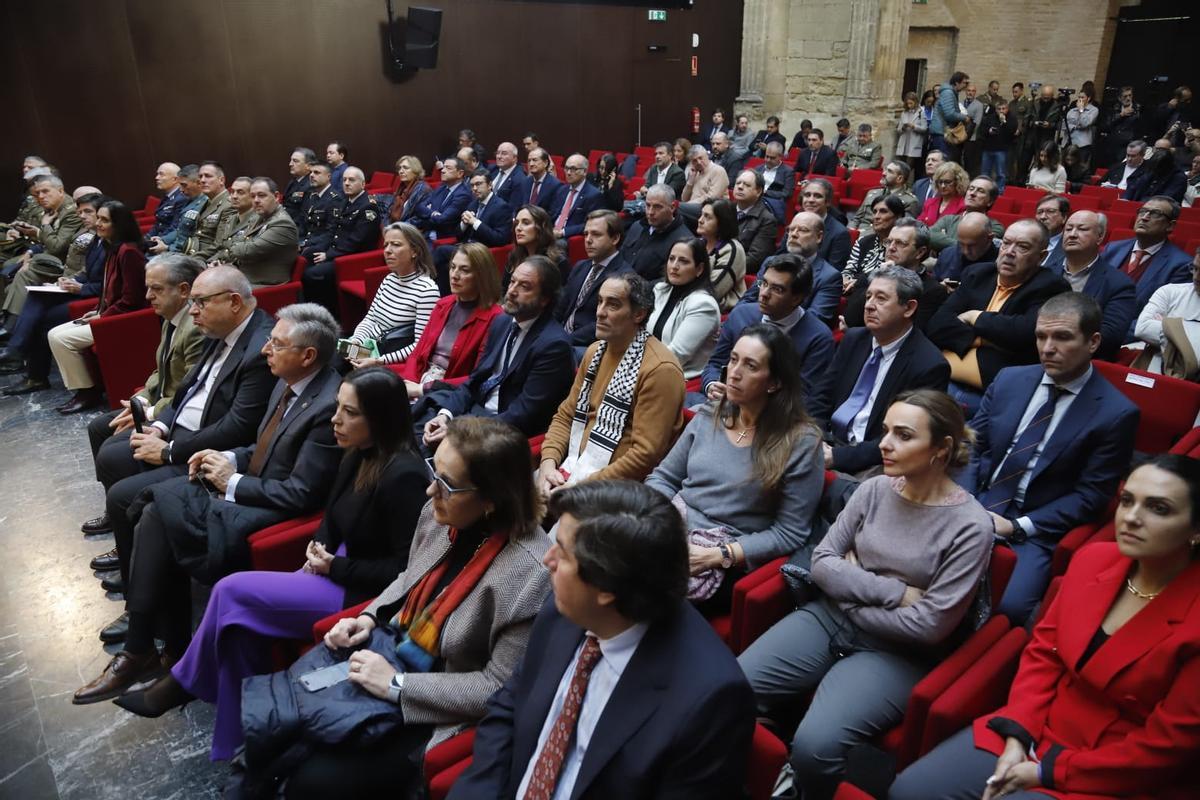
533	235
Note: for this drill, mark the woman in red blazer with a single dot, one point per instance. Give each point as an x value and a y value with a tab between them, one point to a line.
1106	702
471	306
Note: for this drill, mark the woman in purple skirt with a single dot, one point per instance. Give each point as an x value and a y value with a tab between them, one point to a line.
360	548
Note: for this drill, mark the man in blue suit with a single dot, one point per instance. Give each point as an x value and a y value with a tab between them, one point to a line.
816	159
442	210
806	235
541	187
1052	442
488	220
508	179
786	283
576	309
924	188
608	700
1149	259
577	199
1052	211
874	364
526	369
1112	290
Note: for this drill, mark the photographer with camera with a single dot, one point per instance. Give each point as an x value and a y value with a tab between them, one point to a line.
1174	116
1081	123
1044	120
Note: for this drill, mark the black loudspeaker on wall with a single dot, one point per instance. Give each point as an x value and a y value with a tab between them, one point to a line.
422	31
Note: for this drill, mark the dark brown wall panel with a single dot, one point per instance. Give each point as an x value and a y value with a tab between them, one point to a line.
106	90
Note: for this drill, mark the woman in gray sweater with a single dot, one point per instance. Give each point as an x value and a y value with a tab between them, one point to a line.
752	466
897	573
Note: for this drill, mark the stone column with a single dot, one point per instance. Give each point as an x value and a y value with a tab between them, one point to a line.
764	57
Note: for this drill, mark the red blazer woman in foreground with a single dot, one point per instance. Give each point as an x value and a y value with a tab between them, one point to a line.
1106	702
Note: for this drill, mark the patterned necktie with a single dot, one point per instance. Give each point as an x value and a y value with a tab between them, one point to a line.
264	439
588	282
537	185
1134	266
843	418
561	222
554	751
999	496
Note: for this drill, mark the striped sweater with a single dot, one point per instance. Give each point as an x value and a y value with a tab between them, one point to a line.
399	300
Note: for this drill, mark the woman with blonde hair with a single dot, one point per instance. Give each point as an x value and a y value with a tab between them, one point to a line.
411	189
950	181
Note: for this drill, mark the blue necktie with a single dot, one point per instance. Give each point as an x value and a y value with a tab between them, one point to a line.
999	496
491	383
843	418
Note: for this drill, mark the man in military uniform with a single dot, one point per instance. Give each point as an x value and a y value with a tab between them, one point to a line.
239	198
320	209
266	251
175	239
894	181
299	165
51	235
355	229
11	243
166	216
862	152
218	216
1019	107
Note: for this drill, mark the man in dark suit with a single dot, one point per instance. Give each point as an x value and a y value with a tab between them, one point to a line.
816	159
817	198
757	225
1052	211
979	343
508	179
762	139
526	369
1128	169
872	365
664	170
974	245
1051	444
217	405
648	241
924	188
1112	290
786	283
578	199
608	701
441	213
907	246
541	187
488	220
718	125
576	308
299	166
195	525
1149	259
778	178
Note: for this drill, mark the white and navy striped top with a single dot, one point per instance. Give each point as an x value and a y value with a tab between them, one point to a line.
399	300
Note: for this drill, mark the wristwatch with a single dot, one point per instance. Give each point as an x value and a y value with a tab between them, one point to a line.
726	556
1018	534
395	687
167	452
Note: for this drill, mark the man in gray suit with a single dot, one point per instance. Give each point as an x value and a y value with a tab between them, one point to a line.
266	251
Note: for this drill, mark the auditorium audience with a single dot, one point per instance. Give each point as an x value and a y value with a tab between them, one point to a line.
947	114
1044	120
988	322
786	283
527	364
711	129
763	138
817	198
746	472
925	188
533	236
488	219
706	181
724	156
1171	343
625	407
685	315
980	197
652	722
405	299
950	184
1112	290
871	366
453	340
756	223
718	227
1160	177
1101	704
897	574
361	544
355	229
679	151
49	236
194	526
975	245
1128	169
894	181
648	241
266	249
1149	259
411	190
576	307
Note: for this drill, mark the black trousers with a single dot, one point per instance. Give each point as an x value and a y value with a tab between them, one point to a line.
124	478
159	590
99	432
389	768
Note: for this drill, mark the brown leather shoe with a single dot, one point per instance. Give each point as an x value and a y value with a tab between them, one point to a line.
84	400
123	671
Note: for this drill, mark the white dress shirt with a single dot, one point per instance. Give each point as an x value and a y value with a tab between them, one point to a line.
858	427
786	323
614	657
297	389
492	401
191	414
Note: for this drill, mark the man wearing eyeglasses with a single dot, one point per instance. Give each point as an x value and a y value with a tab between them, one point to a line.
218	405
580	199
1148	258
195	525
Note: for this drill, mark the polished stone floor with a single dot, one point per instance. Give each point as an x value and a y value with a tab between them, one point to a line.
52	608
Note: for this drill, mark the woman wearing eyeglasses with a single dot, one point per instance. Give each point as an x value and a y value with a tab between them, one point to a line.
432	648
362	542
950	182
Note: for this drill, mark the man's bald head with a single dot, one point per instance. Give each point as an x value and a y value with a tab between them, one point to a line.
166	177
1082	235
974	235
224	278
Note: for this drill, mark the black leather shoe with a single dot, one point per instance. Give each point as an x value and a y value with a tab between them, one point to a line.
115	584
106	561
27	386
96	525
11	362
156	700
115	631
84	400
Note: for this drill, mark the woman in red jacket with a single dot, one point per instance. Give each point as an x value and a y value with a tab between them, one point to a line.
456	333
1106	702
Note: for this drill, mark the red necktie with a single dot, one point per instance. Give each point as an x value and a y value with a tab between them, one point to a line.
566	210
1134	267
554	752
533	194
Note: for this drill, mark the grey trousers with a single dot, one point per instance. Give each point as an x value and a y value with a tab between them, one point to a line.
862	687
954	770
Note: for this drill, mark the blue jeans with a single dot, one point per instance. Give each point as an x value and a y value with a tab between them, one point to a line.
995	164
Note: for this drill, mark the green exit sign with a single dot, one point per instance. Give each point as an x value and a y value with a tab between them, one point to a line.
656	15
